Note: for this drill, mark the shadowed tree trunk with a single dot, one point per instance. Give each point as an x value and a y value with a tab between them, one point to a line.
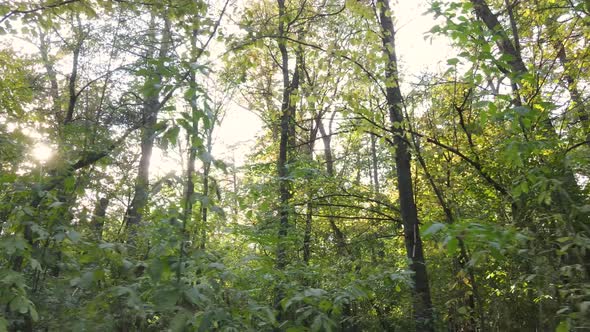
422	302
97	222
151	107
375	165
204	205
328	155
290	85
190	169
313	131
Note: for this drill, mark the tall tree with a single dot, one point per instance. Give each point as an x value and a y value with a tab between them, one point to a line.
423	311
152	103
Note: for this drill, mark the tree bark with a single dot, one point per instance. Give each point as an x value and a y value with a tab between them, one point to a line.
287	110
141	193
73	94
204	205
375	165
482	10
313	131
97	221
151	107
327	140
422	303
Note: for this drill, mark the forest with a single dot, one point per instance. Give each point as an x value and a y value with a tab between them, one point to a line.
371	196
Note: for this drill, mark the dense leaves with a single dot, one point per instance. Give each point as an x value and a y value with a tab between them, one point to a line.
372	199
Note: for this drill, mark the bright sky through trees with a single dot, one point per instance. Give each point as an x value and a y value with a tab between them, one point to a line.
419	54
294	165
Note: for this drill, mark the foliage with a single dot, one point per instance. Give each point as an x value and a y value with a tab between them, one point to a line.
307	234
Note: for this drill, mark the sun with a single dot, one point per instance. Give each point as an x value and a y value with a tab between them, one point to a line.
42	152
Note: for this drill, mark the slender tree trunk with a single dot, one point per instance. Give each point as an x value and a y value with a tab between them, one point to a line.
141	193
313	130
461	261
422	302
327	140
151	107
282	161
97	221
287	111
375	165
204	205
73	94
579	106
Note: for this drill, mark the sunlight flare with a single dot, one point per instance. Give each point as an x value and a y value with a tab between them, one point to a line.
42	152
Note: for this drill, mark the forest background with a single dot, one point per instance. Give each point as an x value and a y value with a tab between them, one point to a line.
384	187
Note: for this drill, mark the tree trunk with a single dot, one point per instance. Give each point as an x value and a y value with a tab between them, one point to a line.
287	110
97	221
579	105
460	261
422	302
151	107
327	140
204	205
313	130
141	193
375	165
517	67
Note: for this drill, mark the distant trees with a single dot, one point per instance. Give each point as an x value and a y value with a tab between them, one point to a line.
373	199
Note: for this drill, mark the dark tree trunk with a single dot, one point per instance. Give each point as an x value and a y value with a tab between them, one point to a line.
287	111
375	165
151	107
73	94
286	118
422	302
97	221
204	207
579	105
141	193
517	66
327	140
313	131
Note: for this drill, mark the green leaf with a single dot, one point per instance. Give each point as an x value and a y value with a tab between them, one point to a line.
522	110
452	62
296	329
193	296
19	304
55	204
73	236
179	322
434	228
3	324
35	265
33	312
171	135
12	245
452	244
563	326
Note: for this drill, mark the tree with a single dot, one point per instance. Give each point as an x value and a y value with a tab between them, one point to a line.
118	205
408	210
